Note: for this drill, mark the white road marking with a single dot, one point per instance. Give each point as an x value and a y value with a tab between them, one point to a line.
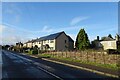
91	70
36	63
50	73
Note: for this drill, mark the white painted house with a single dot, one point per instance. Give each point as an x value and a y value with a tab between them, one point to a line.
58	41
107	43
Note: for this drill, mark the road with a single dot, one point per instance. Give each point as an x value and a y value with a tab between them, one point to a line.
17	65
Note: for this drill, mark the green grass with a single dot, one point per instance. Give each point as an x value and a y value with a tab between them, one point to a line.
109	66
44	55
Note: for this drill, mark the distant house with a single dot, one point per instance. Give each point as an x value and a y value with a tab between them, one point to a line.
106	43
19	44
58	41
28	44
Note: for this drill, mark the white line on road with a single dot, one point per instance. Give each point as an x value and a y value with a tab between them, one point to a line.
50	73
37	64
91	70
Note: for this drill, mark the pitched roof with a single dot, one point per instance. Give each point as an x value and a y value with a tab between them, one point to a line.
49	37
70	39
107	39
30	41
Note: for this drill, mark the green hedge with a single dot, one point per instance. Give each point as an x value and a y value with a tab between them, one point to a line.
30	52
34	51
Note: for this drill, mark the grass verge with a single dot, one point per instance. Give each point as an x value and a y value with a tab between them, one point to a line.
109	66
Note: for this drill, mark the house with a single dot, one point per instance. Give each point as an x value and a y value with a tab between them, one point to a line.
28	44
57	41
106	43
19	44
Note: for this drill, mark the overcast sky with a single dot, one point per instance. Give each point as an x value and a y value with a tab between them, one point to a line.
22	21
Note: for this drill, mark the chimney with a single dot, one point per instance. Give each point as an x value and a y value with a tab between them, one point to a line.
117	37
97	38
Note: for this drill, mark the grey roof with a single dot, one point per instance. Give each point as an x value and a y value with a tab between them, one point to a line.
31	41
50	37
107	39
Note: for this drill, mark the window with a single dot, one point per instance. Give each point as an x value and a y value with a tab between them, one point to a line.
51	48
109	43
65	41
51	41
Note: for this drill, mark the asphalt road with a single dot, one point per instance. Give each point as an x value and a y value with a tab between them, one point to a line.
17	65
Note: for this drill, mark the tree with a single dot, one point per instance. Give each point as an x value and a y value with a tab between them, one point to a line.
6	46
35	50
47	47
110	36
103	38
36	46
82	41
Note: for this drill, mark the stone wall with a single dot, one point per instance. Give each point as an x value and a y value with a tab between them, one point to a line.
91	56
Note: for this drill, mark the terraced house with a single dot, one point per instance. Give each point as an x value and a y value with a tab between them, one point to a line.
58	41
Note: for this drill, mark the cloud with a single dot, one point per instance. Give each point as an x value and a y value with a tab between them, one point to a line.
2	28
77	20
46	29
12	34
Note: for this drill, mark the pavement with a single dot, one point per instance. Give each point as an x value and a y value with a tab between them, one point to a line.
17	65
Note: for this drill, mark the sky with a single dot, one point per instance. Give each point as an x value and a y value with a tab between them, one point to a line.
23	21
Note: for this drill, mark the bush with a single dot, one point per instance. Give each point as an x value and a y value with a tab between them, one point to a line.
35	51
26	51
30	51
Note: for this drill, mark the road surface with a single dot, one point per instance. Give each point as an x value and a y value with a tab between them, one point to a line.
17	65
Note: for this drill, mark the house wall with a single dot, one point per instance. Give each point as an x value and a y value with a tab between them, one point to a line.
24	45
37	43
71	45
51	44
109	45
29	45
60	43
97	45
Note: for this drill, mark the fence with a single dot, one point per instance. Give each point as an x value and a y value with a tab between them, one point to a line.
88	56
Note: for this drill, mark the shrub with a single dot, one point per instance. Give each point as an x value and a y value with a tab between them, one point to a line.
35	51
26	51
30	51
